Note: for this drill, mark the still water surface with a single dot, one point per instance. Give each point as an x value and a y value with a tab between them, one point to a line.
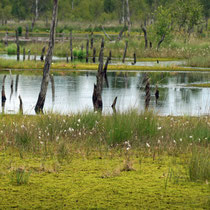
74	93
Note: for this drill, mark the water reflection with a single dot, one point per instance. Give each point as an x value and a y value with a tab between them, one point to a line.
74	93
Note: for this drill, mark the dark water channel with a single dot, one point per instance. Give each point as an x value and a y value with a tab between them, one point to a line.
74	93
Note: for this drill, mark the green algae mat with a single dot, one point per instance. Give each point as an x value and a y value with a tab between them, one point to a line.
98	183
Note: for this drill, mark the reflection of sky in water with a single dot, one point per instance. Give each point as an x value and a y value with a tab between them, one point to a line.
114	61
74	93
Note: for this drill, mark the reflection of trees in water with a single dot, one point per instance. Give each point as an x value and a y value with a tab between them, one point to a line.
187	94
185	78
159	77
119	81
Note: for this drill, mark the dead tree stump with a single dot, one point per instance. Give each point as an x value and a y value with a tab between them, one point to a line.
3	95
87	50
125	51
27	33
91	41
18	45
71	48
21	105
42	95
97	92
16	82
94	55
24	54
6	39
42	54
29	55
147	91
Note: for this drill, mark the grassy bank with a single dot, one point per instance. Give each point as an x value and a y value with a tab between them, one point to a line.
127	160
32	65
205	85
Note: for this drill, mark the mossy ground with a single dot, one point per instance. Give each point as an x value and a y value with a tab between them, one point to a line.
125	161
97	182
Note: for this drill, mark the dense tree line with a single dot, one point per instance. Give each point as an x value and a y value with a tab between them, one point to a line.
106	10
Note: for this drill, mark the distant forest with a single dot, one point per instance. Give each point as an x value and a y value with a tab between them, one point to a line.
101	10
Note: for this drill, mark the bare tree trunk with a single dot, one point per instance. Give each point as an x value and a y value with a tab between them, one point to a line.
134	59
48	61
6	39
21	105
29	55
27	33
94	55
53	87
145	35
36	14
91	41
37	10
107	36
121	33
87	50
97	93
110	56
159	43
16	82
3	95
24	54
128	16
125	51
114	104
71	49
42	55
18	46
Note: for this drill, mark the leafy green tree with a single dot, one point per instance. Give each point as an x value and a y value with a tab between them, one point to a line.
160	30
187	14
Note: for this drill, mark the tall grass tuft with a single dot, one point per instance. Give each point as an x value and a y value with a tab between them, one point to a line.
199	165
12	49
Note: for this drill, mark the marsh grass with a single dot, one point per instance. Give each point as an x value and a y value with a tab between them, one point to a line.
19	177
199	165
90	135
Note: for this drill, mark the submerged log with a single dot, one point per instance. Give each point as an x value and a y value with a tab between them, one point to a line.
42	95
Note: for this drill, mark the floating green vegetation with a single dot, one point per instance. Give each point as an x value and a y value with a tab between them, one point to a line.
204	85
32	65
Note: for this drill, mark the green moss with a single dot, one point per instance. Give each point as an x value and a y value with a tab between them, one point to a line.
81	184
205	85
